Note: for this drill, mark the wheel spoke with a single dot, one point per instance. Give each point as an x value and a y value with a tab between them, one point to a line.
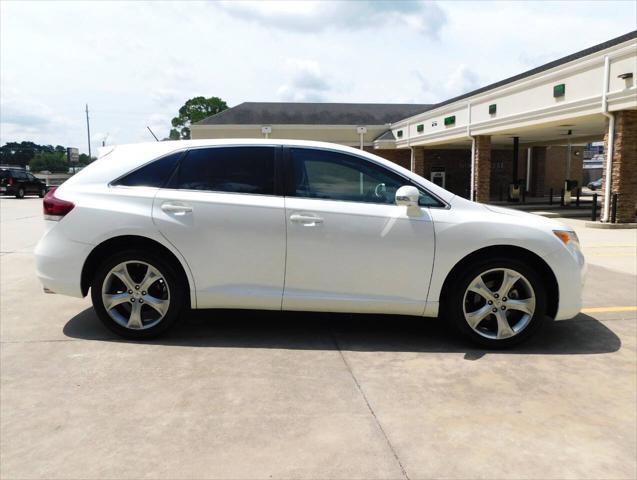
504	329
111	300
474	318
135	319
151	277
527	305
478	286
159	305
124	276
509	279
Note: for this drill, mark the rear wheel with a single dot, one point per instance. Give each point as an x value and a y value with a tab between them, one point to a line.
497	303
137	294
42	192
20	193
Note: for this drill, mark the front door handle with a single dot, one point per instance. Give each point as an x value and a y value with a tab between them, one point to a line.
307	220
175	208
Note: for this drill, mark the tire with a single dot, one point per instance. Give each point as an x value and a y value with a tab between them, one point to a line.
463	304
20	193
136	311
42	193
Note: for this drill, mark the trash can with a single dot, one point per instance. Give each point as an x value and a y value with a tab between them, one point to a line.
514	192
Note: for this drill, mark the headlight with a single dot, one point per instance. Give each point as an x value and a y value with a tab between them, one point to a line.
568	237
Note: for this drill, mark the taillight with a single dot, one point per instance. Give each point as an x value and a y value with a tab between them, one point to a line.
55	208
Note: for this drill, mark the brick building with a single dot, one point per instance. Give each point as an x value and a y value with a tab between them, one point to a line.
529	129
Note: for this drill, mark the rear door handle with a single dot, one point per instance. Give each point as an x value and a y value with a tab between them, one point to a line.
308	220
175	208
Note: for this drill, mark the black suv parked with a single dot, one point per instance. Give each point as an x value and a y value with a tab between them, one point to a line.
18	182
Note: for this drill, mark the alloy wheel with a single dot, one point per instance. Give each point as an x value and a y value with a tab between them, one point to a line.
135	295
499	303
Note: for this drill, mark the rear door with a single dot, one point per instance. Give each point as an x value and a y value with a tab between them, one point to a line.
350	248
221	211
33	184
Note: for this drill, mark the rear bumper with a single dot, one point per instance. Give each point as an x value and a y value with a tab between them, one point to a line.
12	190
59	262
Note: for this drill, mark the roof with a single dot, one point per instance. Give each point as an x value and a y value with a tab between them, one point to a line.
293	113
547	66
385	136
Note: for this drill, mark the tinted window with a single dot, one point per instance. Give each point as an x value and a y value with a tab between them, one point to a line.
227	169
19	174
338	176
154	174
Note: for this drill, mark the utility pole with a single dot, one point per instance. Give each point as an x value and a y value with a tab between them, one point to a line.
88	134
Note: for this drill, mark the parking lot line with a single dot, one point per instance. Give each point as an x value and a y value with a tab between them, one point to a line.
609	309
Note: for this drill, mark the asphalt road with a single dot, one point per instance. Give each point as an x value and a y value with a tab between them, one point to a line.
272	395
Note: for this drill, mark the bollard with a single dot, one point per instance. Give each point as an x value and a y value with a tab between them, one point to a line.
551	196
613	209
594	208
523	195
579	191
562	198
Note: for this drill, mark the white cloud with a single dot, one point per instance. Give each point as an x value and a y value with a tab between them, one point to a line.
316	16
459	81
306	82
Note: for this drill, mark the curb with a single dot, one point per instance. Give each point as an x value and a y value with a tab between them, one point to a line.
610	226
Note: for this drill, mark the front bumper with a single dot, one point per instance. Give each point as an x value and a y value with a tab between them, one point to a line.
569	268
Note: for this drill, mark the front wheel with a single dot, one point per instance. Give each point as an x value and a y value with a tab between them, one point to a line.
497	303
42	193
137	294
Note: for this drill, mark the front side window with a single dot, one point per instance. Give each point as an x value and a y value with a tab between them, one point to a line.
153	174
227	169
329	175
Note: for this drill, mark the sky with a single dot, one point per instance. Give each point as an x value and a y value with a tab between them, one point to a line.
135	63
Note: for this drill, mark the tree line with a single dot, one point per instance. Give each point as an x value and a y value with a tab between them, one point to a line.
38	157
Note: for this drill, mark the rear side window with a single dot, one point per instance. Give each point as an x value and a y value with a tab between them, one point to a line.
227	169
153	174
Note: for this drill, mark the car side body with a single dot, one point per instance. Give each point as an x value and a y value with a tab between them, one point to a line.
238	250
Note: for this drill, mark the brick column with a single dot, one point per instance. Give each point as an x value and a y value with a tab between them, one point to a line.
482	180
624	174
422	164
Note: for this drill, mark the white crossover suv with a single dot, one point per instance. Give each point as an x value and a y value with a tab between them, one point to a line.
154	229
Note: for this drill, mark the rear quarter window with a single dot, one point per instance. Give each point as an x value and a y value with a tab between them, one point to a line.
153	174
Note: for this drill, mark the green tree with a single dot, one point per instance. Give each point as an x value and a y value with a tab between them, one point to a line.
52	161
194	110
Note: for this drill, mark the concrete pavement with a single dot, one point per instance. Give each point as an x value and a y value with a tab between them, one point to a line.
289	395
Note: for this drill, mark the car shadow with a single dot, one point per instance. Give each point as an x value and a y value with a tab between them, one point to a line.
366	333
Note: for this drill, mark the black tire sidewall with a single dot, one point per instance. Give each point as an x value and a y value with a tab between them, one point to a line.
20	193
176	288
455	299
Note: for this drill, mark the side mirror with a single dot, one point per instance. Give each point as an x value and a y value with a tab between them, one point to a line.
407	196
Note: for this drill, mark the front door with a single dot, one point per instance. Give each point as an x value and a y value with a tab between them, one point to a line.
221	212
350	248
